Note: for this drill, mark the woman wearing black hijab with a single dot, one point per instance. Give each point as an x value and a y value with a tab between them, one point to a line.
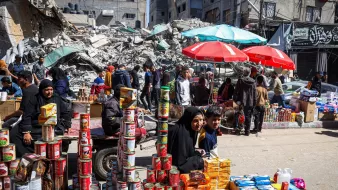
29	129
182	139
60	81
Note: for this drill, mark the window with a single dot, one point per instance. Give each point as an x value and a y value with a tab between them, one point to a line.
184	6
162	13
312	14
227	16
178	9
169	15
269	9
130	15
152	18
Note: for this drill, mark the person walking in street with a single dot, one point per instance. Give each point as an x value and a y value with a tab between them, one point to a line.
255	74
121	76
146	91
155	95
135	84
262	98
276	86
182	88
16	67
39	71
245	95
108	81
12	89
98	84
165	77
316	83
201	93
178	70
227	90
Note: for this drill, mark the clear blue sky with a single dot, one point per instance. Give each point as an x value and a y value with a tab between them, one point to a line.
147	10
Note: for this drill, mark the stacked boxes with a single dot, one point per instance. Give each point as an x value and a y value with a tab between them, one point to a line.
219	172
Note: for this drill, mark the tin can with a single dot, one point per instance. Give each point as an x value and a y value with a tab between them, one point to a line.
159	186
156	162
21	186
128	159
165	91
163	125
161	176
174	168
40	148
85	122
4	137
53	150
129	129
8	153
59	140
130	144
174	177
135	185
84	137
13	166
285	186
149	186
121	185
163	110
161	150
168	187
162	139
166	162
3	169
151	175
85	151
129	115
129	174
60	165
85	182
7	183
47	133
85	167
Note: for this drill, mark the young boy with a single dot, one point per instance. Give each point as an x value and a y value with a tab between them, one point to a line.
262	97
98	84
208	134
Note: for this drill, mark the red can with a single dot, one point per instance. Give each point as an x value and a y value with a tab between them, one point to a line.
161	176
156	162
159	186
85	167
84	137
7	183
85	182
60	142
166	162
161	150
151	175
53	150
174	178
85	122
60	165
85	151
285	186
40	148
149	186
167	187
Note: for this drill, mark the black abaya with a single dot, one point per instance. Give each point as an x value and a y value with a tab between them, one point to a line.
181	143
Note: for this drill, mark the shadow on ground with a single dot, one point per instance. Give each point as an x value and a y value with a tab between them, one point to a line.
328	133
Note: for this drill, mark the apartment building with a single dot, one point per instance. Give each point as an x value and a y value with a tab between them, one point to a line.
158	12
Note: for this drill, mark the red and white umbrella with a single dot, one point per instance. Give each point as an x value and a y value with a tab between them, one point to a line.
269	56
215	52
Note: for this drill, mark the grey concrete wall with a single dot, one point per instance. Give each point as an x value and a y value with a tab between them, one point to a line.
223	5
120	7
157	7
172	9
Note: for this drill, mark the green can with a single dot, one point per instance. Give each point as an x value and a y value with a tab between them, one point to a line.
162	139
163	125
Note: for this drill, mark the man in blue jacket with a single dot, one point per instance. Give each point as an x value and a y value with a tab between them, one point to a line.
10	87
121	76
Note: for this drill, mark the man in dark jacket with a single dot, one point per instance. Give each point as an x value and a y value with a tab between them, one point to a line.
245	94
155	95
112	113
135	84
121	76
316	83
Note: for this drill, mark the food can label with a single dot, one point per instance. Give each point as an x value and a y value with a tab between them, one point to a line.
3	169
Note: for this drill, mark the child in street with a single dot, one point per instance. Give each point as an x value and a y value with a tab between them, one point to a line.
208	134
262	97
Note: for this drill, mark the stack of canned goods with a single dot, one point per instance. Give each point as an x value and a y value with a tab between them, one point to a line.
8	161
161	174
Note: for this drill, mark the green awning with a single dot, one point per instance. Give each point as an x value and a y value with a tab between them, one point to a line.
53	57
128	29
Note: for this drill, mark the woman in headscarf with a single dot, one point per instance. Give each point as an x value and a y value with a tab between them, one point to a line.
182	139
60	81
108	79
29	129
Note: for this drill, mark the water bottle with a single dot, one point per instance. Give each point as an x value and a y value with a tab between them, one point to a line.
285	176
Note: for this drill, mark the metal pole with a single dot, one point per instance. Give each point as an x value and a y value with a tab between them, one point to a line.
260	17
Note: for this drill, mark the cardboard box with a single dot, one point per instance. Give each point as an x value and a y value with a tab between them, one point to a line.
309	110
95	110
326	116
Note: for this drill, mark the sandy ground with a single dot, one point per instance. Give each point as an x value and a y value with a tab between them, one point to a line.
311	154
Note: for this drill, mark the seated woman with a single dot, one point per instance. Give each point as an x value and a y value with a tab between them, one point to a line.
29	129
182	139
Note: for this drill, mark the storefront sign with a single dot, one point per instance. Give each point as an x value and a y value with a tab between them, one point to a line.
316	35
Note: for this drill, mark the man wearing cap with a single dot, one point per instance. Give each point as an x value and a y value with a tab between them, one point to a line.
16	67
39	71
316	83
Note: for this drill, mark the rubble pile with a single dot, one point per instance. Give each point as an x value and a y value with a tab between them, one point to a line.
101	46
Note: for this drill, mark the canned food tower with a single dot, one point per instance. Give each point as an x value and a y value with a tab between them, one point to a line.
123	175
161	174
8	161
